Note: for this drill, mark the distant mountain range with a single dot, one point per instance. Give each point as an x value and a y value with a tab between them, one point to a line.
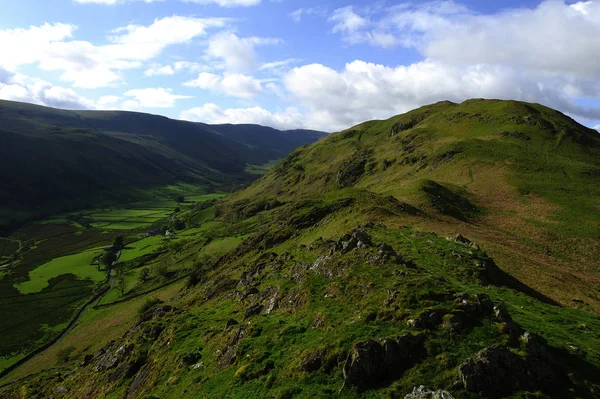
52	160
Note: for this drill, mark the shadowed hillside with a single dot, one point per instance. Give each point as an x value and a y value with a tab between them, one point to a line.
54	160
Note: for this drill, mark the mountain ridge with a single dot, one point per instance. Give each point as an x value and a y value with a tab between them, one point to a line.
453	247
51	158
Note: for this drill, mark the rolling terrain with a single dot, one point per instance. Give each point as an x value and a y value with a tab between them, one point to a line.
455	246
55	160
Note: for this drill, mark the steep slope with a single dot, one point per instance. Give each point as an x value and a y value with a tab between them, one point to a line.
54	159
355	278
520	178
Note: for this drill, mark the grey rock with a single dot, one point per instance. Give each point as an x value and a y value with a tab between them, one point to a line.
106	361
426	393
60	390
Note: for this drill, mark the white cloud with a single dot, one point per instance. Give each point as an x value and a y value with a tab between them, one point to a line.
152	98
158	70
18	87
554	37
26	46
237	53
232	84
291	118
90	66
597	127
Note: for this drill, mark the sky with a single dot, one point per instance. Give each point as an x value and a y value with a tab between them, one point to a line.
324	65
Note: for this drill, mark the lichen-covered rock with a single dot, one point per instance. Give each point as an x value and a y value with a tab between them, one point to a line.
426	393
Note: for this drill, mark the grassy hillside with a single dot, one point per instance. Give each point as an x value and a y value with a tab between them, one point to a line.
54	160
345	272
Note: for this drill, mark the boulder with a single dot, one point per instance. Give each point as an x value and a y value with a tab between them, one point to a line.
426	393
365	364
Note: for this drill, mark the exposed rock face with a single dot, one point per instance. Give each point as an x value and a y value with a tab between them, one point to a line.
106	361
425	393
371	363
356	239
496	371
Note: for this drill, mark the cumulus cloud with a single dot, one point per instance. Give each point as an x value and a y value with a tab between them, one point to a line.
231	84
88	65
290	118
361	91
152	98
237	53
18	87
553	37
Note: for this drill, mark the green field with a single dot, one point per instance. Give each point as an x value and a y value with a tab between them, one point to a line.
140	248
79	265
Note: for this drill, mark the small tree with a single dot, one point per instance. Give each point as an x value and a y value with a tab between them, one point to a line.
107	259
118	243
180	198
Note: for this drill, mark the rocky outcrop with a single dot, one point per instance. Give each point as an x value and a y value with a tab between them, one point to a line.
464	241
371	362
